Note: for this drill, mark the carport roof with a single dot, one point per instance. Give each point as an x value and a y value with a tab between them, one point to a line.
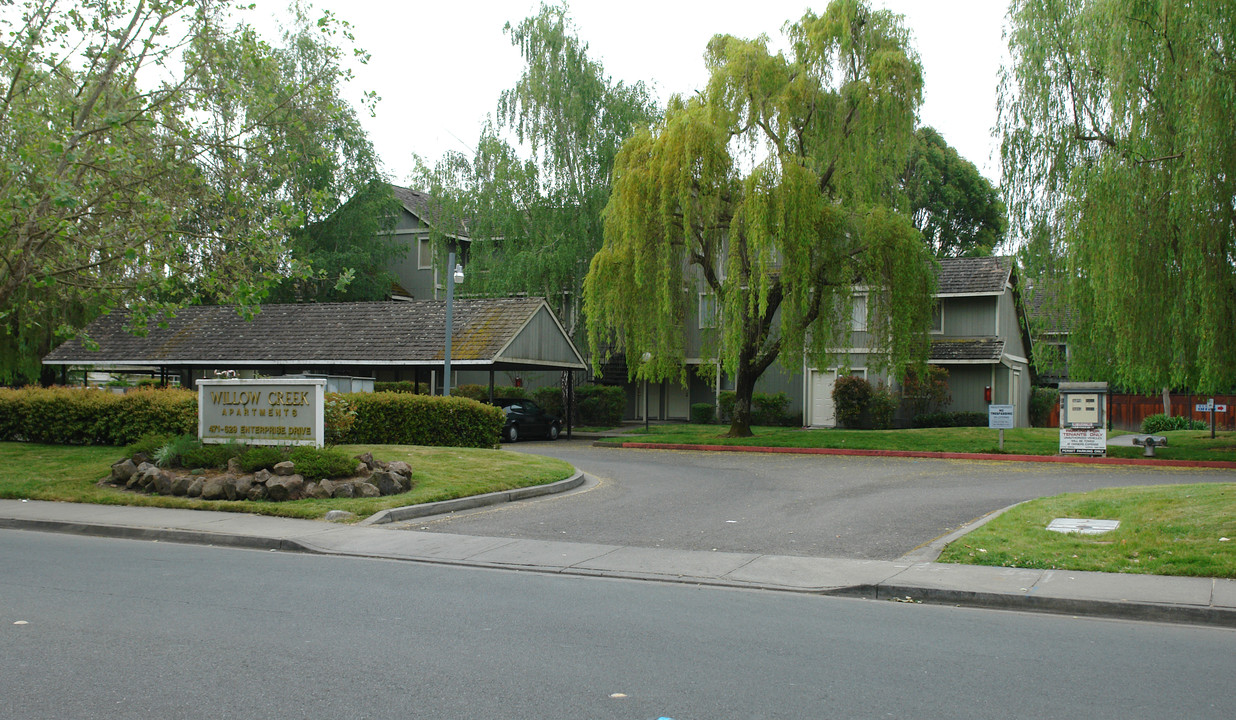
967	350
511	332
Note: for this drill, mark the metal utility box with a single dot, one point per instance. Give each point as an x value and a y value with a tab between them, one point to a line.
1083	419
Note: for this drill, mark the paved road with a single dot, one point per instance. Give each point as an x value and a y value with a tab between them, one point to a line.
126	629
806	505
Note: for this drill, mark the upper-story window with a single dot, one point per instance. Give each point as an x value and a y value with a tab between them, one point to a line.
424	254
708	312
858	314
937	319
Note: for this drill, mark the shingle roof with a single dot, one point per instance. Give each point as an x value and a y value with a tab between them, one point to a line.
967	350
1048	311
392	332
426	208
973	275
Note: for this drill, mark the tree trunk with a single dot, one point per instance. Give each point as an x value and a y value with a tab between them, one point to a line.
1167	401
744	388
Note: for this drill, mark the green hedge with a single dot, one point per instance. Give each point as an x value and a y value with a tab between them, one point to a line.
600	405
82	416
402	419
1163	423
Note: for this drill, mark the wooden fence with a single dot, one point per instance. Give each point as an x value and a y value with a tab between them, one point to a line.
1126	412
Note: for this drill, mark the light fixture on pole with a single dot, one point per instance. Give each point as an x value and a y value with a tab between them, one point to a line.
452	278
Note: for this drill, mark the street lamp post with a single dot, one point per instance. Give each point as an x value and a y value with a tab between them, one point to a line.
453	276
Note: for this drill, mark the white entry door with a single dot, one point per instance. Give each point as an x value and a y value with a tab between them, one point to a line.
821	384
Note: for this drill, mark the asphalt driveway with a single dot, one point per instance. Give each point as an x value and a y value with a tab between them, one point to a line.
807	505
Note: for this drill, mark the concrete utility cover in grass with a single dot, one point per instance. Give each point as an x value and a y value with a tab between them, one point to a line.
1083	526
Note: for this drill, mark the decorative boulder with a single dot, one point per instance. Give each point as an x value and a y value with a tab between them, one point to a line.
367	490
233	466
261	476
213	489
195	487
257	492
400	467
344	490
340	516
316	491
181	484
285	468
285	487
386	482
238	488
122	471
162	483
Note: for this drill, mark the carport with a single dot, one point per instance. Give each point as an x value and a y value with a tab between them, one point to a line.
389	341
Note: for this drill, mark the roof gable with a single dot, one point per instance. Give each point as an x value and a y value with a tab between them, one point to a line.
973	275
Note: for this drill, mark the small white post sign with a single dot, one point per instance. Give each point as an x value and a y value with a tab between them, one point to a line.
262	412
1001	417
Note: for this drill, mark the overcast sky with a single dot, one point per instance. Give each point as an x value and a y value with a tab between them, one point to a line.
440	66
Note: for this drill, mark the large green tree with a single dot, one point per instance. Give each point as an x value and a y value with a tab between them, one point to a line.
956	209
1117	121
533	206
773	190
159	153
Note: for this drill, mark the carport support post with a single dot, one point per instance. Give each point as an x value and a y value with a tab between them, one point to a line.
450	292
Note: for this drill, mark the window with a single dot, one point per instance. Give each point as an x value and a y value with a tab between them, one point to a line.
708	311
937	319
424	254
858	313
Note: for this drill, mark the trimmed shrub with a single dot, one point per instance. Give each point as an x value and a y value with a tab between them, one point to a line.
258	457
212	456
703	414
82	416
401	386
314	463
339	416
1042	400
881	407
147	444
550	398
950	419
851	396
926	392
1165	423
402	419
600	405
770	409
725	403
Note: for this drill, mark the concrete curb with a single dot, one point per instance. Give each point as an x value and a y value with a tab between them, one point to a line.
411	512
886	584
1152	462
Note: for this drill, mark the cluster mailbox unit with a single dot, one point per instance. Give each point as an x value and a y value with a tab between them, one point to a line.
1083	419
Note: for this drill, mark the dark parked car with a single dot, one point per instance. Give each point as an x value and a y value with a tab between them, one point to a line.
525	418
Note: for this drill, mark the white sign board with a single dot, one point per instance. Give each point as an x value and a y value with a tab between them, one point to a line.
1001	417
262	412
1083	441
1202	407
1220	408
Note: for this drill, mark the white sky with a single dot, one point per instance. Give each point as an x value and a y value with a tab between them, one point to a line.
440	65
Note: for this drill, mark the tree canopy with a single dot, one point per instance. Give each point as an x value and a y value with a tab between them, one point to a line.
956	209
1117	123
774	192
155	154
533	209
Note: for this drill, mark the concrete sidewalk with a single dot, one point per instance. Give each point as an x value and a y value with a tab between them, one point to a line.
1136	597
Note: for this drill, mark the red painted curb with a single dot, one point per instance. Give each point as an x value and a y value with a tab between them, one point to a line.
1157	462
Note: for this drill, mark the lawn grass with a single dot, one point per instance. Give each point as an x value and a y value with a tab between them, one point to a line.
1182	444
71	474
1164	530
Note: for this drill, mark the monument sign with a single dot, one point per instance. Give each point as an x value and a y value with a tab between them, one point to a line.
273	411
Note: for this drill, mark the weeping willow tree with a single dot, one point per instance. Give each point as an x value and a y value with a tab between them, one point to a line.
1117	122
774	191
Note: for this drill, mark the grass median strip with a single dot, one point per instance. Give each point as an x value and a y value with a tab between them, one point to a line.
1182	444
71	474
1164	530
